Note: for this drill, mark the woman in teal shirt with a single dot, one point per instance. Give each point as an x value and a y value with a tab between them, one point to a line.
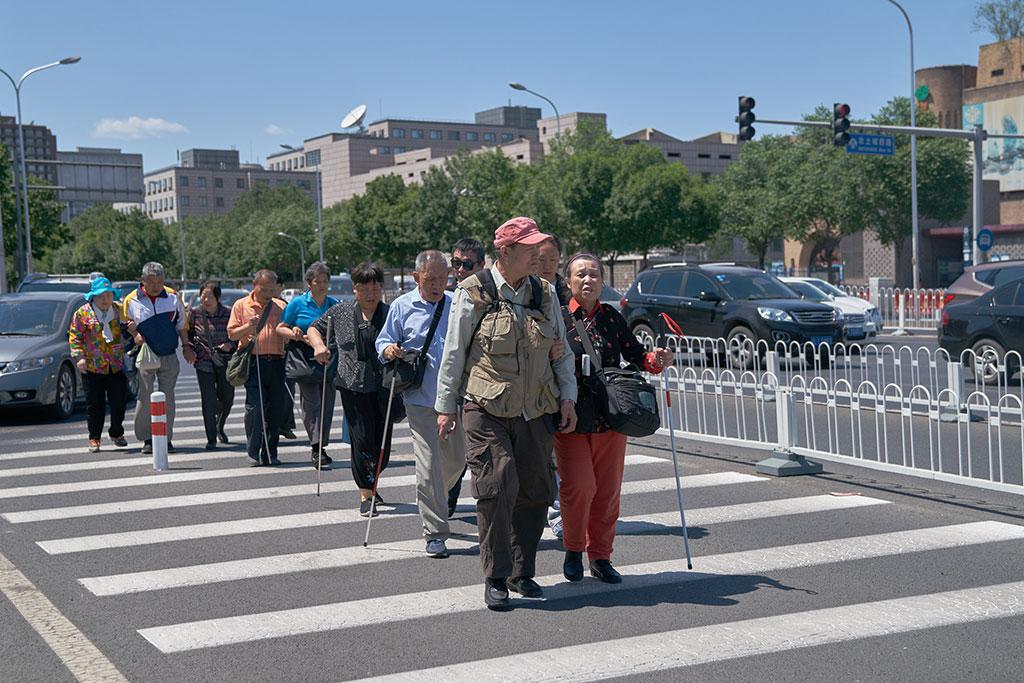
300	368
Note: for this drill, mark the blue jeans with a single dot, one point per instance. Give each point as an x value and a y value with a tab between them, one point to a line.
265	386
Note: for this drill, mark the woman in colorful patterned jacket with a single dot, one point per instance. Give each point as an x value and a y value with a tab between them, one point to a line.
97	347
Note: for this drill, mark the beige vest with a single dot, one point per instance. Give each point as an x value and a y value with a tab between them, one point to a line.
508	372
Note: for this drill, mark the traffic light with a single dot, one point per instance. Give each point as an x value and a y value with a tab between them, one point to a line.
840	124
746	118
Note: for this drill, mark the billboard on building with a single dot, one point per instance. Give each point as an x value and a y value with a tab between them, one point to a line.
1004	158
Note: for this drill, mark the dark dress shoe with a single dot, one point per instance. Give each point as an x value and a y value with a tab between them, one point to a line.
323	463
222	437
572	568
496	594
274	461
147	447
526	587
288	434
170	447
602	570
211	445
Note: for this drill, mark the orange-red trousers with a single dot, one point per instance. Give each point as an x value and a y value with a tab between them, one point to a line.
590	477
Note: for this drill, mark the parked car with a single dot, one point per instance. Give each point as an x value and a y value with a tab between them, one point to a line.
859	321
726	301
341	287
990	325
43	282
35	357
227	297
611	296
982	278
872	316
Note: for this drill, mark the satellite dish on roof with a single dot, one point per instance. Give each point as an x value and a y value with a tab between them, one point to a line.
354	118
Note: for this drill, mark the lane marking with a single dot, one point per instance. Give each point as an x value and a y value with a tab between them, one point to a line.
671	650
362	613
83	659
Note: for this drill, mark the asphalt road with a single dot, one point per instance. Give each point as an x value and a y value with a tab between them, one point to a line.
218	572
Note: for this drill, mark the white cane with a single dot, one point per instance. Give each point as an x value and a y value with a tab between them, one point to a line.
380	460
675	466
323	400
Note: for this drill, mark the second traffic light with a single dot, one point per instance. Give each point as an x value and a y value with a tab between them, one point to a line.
840	124
746	118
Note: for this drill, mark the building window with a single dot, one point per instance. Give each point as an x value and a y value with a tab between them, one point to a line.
997	72
472	136
435	135
289	164
519	157
240	183
218	182
201	181
384	150
313	158
488	137
398	132
725	156
185	200
416	133
219	201
203	201
399	150
673	155
170	202
183	182
304	184
170	183
507	137
453	135
703	156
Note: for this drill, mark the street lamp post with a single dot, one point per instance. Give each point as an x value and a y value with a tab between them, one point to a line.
558	119
915	227
21	149
302	250
319	207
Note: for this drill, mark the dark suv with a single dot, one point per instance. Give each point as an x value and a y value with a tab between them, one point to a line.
727	301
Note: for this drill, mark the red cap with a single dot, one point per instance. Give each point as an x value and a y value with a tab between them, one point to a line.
520	230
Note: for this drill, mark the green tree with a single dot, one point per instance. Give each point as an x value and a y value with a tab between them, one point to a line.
1004	19
116	244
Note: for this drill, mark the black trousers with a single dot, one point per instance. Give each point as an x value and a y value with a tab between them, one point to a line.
217	396
102	390
366	429
264	406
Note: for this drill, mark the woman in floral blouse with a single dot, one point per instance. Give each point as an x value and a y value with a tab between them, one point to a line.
591	459
97	347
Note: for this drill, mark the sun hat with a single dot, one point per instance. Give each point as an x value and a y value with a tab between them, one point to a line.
100	285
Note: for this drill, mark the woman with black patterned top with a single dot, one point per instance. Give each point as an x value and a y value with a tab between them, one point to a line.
591	459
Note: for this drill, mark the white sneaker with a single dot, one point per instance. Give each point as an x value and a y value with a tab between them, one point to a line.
437	548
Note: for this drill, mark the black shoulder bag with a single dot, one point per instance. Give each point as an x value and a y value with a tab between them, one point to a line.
218	359
409	375
630	403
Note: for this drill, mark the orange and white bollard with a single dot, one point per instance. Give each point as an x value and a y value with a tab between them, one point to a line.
158	417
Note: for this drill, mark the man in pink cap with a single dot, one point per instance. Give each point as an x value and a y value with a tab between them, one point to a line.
501	328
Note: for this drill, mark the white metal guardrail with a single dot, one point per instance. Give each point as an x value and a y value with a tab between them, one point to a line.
921	308
915	411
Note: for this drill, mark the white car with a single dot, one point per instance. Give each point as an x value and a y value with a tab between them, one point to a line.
861	319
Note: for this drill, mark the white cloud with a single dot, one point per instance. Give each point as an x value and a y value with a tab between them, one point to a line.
136	128
274	129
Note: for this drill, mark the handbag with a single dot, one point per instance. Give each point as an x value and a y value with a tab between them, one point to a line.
219	359
623	396
299	362
409	375
241	360
146	360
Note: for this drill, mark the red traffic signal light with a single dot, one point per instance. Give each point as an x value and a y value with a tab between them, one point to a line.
840	124
746	118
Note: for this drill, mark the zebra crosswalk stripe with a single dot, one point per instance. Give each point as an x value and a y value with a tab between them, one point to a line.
392	608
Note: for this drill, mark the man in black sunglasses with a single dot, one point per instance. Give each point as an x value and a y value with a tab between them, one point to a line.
467	258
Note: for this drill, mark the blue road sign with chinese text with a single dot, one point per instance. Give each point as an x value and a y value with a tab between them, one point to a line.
986	238
867	143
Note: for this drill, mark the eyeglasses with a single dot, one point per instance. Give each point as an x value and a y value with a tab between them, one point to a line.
458	264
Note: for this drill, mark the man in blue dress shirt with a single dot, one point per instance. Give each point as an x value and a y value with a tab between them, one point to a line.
439	463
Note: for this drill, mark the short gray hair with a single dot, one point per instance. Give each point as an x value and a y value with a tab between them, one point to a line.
317	268
425	258
152	268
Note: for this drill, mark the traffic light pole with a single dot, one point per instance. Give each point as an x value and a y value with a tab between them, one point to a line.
977	136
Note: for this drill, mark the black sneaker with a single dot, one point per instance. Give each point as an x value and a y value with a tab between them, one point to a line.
496	594
211	445
120	441
288	434
525	586
147	447
222	437
572	567
366	508
602	570
322	463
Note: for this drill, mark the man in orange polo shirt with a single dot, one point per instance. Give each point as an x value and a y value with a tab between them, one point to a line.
265	389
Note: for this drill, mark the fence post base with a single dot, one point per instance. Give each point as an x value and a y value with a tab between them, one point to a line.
786	463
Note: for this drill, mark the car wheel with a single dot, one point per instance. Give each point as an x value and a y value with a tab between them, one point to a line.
64	404
987	354
642	330
740	347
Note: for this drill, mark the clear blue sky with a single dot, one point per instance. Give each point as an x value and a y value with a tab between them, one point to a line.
258	73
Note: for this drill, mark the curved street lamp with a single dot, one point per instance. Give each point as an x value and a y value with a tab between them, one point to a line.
558	119
302	250
21	150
